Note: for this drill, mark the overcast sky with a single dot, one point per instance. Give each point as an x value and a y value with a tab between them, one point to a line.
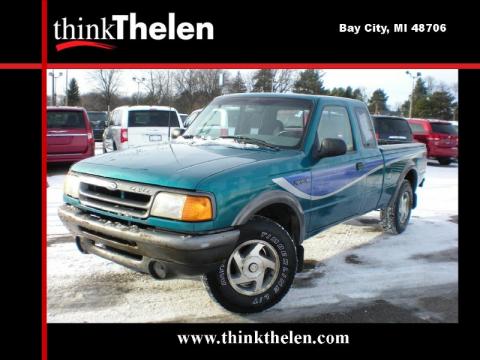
396	83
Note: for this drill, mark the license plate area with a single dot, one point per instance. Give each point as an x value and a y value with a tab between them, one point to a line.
155	137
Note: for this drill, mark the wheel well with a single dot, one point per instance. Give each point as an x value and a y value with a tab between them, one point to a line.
412	178
285	216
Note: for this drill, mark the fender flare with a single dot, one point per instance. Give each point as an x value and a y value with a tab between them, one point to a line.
402	176
272	197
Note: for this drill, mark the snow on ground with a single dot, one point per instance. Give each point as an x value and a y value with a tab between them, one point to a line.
347	265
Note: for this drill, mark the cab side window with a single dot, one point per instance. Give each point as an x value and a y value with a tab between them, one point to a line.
335	123
366	127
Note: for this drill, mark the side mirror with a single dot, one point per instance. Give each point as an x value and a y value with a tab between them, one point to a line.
176	132
331	147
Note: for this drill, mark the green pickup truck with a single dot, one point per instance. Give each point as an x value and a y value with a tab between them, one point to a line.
233	197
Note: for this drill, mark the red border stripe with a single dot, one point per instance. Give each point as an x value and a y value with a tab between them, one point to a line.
264	65
20	66
44	180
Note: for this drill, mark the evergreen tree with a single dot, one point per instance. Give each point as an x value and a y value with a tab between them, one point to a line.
73	93
348	92
337	92
262	80
310	82
377	104
237	85
442	105
430	104
358	94
420	89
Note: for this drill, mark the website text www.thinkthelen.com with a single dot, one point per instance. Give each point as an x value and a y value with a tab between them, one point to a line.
257	337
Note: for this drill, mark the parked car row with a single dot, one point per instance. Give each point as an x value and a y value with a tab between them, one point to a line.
440	137
72	131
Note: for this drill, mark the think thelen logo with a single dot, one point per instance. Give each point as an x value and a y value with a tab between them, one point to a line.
121	27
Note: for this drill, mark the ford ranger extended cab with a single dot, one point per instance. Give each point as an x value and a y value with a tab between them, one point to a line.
236	194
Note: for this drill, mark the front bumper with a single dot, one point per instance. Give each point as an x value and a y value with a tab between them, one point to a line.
159	253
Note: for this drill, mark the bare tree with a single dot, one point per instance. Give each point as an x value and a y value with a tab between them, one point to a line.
209	82
249	80
107	83
282	80
159	88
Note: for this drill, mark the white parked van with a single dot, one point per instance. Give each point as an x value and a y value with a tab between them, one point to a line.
131	126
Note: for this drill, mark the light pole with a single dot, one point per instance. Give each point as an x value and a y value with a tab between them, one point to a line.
414	78
54	77
138	81
66	87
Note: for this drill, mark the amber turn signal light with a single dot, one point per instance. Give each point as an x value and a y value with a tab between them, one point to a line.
197	208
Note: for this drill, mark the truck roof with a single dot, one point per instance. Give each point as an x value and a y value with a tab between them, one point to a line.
291	96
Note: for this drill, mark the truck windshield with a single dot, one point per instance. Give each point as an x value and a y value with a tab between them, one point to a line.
279	122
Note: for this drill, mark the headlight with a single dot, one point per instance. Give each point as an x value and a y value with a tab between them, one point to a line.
182	207
71	185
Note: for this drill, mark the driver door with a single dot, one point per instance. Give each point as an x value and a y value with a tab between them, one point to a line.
336	192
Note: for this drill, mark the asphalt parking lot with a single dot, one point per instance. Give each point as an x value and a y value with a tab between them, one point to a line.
353	272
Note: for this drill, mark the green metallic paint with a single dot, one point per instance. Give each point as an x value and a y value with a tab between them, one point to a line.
237	176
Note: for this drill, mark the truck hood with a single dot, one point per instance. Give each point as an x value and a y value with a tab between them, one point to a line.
177	165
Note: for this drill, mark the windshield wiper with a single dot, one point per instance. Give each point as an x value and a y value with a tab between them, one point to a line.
249	140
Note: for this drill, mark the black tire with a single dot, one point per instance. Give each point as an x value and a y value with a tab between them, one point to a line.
444	161
390	217
277	239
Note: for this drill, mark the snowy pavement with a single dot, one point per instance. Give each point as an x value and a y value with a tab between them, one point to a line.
353	273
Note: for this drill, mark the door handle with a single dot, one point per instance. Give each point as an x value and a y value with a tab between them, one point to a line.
359	165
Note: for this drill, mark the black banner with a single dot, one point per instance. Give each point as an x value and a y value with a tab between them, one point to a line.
251	32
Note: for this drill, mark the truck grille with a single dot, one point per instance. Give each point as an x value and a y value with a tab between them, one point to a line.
115	196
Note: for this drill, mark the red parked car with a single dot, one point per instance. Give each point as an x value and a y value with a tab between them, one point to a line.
440	137
69	134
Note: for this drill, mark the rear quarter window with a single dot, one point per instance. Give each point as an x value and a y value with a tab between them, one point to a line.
366	127
65	120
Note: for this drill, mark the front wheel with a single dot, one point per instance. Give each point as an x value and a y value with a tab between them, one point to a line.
259	271
394	218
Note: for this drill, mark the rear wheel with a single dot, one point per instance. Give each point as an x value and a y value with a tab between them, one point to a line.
259	271
444	161
394	218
